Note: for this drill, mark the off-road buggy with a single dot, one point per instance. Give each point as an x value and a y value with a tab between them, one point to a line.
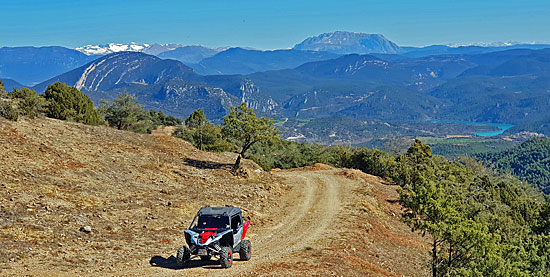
216	231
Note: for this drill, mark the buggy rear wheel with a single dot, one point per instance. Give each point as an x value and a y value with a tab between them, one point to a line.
226	257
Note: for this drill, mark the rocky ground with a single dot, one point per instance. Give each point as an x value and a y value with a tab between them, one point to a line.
77	199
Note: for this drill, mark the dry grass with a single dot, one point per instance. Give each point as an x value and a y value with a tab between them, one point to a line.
138	193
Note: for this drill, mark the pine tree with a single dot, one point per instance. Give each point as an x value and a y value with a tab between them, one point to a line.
197	122
28	102
68	103
123	112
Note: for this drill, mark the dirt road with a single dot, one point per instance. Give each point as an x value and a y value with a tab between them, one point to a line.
305	219
311	207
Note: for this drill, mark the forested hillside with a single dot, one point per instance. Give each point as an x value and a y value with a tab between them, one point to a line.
529	161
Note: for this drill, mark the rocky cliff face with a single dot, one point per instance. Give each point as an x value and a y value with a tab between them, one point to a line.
123	68
181	98
259	102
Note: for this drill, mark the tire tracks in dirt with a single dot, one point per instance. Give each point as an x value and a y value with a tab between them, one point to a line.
316	207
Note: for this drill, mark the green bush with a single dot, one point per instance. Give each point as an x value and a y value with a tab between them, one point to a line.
124	113
373	161
283	154
68	103
7	110
161	119
208	137
28	102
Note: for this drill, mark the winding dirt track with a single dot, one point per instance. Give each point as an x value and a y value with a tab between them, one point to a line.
310	209
302	223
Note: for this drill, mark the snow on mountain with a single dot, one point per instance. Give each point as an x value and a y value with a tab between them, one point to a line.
156	49
112	48
493	44
151	49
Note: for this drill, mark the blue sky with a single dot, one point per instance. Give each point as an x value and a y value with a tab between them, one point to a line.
268	24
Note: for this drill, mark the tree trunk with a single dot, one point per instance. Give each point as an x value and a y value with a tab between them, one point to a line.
241	155
200	139
434	259
237	162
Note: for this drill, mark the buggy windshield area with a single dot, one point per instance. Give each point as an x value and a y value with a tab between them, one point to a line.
211	222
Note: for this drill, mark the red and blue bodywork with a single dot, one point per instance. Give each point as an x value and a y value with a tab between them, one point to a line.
214	228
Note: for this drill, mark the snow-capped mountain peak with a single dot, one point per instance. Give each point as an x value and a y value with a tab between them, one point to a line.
112	48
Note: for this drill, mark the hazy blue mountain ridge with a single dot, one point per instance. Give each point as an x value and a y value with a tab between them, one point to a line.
188	54
245	61
10	84
31	65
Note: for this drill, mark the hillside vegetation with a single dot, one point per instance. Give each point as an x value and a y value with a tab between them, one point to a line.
530	161
138	192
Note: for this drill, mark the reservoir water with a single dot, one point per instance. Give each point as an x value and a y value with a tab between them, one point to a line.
502	126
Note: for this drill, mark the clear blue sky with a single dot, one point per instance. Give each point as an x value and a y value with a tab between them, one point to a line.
268	24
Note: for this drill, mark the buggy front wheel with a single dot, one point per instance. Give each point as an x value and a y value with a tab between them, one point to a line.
226	257
183	256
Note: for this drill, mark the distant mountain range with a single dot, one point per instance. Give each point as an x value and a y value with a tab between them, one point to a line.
189	54
415	52
104	49
245	61
112	48
10	84
467	83
32	65
507	86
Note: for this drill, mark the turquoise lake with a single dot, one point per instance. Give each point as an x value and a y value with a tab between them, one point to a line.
502	126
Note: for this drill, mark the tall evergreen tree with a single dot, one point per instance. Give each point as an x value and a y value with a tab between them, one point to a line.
197	122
